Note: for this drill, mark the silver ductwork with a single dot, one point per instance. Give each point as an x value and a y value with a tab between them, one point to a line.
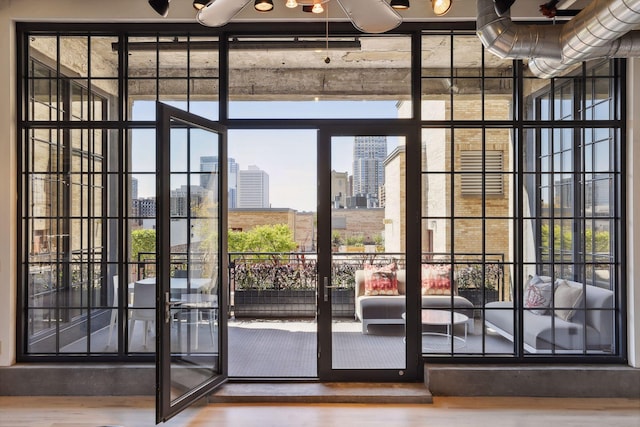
516	41
601	30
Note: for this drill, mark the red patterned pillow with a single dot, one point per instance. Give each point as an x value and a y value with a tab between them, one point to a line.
380	280
538	294
436	279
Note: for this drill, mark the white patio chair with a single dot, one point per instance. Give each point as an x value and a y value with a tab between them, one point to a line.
114	310
201	308
142	308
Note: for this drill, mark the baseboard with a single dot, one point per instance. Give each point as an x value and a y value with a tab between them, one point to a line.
533	380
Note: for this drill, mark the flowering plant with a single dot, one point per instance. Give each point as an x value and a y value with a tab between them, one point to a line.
469	276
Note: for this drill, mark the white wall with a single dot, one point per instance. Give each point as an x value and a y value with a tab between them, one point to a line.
7	194
10	12
633	211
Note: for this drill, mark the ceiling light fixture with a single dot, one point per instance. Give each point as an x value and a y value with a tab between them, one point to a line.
317	6
400	4
199	4
440	7
291	4
160	6
263	5
368	16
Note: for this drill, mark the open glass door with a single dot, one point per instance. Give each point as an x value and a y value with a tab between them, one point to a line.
191	352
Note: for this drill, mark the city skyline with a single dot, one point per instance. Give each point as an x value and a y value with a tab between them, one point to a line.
289	157
296	182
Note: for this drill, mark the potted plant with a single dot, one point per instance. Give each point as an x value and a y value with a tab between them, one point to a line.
469	282
343	297
271	289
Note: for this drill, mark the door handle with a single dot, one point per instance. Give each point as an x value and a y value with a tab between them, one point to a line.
168	305
326	287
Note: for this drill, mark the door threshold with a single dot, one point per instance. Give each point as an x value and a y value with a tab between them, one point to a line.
321	392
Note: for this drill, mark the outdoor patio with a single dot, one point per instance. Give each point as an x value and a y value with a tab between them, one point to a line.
274	348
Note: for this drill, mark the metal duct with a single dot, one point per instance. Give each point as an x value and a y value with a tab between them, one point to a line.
627	46
508	40
598	31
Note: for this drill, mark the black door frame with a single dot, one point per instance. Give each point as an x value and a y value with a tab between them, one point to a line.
412	219
165	408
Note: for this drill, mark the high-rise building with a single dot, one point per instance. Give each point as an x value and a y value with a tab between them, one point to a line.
180	198
145	207
340	189
232	182
134	188
369	153
253	188
210	164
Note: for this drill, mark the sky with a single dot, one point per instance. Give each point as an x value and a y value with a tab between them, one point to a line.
287	156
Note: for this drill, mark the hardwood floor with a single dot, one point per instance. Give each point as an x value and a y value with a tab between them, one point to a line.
445	411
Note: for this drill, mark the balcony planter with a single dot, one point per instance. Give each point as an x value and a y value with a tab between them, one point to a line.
475	295
343	302
271	303
268	303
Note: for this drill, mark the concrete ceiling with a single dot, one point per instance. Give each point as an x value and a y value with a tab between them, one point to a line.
379	65
419	11
379	52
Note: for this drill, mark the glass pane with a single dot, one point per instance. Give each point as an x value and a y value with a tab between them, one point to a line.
140	90
467	98
436	150
74	54
437	82
369	253
104	61
272	247
172	92
143	151
436	232
267	80
498	98
194	260
205	103
142	58
173	57
203	57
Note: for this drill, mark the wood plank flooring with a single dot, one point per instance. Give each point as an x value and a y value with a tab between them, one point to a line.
473	412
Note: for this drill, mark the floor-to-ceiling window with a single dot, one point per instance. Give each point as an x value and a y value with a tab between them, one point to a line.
572	228
468	174
519	180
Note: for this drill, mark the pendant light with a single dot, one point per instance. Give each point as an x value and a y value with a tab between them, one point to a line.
199	4
317	6
400	4
440	7
160	6
263	5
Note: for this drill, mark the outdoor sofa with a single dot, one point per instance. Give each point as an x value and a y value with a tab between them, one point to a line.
390	309
585	312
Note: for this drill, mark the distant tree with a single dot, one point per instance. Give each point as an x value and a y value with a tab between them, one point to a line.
143	242
263	238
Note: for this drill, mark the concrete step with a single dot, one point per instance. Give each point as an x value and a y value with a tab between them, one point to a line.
317	392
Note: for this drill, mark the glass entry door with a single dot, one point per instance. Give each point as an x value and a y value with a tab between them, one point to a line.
191	230
362	262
